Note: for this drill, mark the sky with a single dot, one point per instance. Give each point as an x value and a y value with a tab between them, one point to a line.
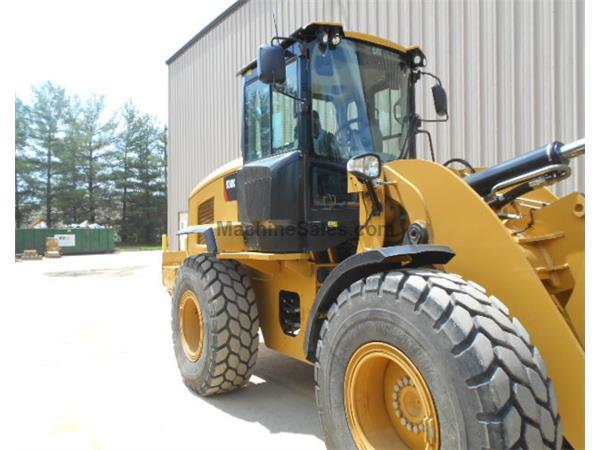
117	48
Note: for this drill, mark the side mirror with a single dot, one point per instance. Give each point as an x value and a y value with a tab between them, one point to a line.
365	167
271	64
440	100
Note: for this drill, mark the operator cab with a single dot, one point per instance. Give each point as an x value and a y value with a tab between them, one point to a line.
339	95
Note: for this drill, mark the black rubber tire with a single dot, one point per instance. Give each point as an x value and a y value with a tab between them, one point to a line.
488	381
230	341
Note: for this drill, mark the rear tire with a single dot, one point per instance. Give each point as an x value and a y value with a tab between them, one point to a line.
488	382
214	320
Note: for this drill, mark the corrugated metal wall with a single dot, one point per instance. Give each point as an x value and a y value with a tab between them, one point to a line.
514	72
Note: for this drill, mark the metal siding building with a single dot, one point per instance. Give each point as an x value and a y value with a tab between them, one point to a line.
514	72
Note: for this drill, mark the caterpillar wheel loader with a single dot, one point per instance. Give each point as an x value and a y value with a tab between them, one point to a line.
442	305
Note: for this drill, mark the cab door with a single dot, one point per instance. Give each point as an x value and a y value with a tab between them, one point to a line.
271	181
332	211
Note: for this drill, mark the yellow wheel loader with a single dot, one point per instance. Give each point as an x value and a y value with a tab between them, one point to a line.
442	305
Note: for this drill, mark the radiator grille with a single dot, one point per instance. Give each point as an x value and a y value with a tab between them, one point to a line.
206	214
206	211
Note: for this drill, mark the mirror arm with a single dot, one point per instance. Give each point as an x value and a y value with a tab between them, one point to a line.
445	119
435	77
286	38
426	132
377	208
300	42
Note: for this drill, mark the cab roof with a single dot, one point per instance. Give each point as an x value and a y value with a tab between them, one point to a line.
312	28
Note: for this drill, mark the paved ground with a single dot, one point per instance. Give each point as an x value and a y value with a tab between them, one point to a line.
91	367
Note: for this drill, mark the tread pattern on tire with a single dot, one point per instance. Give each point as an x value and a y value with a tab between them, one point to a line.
520	408
232	325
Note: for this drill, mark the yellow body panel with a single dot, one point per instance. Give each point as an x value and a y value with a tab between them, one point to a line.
295	276
378	41
171	262
555	245
224	215
218	174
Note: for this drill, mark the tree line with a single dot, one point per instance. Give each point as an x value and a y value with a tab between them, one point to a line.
75	161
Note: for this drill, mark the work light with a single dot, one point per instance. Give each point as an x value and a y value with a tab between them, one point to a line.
365	167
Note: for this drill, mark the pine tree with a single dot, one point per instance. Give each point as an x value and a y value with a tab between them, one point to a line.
70	192
141	177
163	149
97	137
26	183
47	117
149	182
129	140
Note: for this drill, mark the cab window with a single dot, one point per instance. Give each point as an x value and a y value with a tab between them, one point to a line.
389	111
270	117
285	119
326	110
257	126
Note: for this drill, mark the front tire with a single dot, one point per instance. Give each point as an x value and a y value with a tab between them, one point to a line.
424	359
214	320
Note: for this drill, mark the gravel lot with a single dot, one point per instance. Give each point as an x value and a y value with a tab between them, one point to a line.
88	364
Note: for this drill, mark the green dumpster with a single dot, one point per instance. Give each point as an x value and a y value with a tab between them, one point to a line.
72	241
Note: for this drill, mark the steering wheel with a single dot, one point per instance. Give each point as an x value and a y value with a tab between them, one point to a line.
344	137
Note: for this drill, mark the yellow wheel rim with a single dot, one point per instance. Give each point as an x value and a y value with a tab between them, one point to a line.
191	326
388	403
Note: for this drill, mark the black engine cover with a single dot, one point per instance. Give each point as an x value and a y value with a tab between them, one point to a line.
270	190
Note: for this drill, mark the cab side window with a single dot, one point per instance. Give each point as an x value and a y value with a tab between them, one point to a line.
285	119
388	106
257	123
270	118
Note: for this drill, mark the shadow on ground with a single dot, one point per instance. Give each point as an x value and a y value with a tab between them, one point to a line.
284	402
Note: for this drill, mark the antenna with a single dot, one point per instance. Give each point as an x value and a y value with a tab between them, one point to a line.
275	21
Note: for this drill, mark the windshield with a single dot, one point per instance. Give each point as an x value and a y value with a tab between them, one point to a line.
360	101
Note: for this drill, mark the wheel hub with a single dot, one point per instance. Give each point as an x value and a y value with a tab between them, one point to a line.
387	401
408	406
191	326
